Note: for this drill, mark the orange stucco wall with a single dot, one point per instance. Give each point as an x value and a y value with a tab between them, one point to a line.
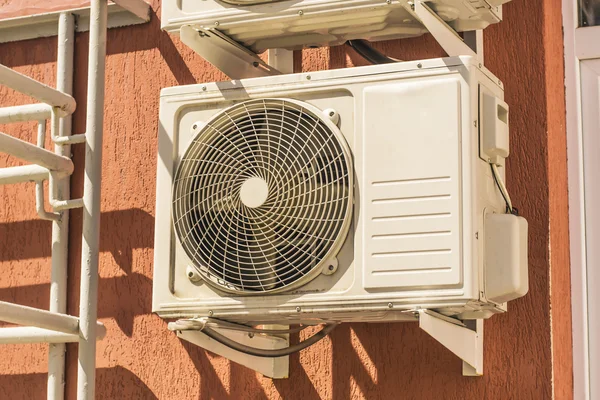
527	351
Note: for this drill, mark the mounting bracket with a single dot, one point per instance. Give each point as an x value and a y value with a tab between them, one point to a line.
276	368
230	57
463	338
443	33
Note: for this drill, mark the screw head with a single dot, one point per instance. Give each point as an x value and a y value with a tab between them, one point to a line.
419	65
194	127
255	64
298	309
210	313
388	1
308	77
300	12
204	88
390	305
331	267
192	274
216	23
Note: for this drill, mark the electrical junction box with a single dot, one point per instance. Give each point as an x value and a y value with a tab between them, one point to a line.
334	196
294	24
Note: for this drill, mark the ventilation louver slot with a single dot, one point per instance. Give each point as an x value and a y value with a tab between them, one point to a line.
263	196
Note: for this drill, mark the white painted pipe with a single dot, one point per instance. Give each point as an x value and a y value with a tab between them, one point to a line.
30	152
60	229
24	173
29	316
88	295
37	90
27	112
73	139
29	334
39	185
57	201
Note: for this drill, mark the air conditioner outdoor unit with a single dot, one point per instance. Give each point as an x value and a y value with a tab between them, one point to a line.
363	194
293	24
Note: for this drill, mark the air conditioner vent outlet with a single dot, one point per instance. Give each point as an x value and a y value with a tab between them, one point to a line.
262	197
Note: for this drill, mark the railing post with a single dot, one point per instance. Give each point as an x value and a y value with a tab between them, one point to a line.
88	299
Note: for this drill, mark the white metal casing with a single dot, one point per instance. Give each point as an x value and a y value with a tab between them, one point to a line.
294	24
421	193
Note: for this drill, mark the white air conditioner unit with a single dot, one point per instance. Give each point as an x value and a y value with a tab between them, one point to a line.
294	24
359	194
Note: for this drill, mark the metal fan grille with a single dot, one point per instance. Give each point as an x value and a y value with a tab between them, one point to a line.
262	196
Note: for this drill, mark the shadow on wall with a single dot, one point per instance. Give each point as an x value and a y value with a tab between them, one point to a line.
124	231
358	367
120	243
117	383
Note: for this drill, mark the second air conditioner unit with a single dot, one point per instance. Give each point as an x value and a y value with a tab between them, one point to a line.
294	24
358	194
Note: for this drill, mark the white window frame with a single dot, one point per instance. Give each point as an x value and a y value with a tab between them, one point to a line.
580	44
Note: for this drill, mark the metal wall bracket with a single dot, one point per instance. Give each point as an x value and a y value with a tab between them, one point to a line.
233	59
282	60
447	37
276	368
463	338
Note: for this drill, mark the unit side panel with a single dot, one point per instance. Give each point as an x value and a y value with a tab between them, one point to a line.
411	184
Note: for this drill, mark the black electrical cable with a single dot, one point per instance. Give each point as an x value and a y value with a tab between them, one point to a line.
364	49
510	209
267	353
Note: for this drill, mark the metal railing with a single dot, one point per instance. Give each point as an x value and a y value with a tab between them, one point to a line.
54	326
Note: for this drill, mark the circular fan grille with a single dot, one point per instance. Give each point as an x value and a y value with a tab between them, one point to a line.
262	196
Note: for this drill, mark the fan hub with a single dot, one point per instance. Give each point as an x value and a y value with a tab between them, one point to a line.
254	192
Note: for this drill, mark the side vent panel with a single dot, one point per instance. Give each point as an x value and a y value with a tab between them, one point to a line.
411	190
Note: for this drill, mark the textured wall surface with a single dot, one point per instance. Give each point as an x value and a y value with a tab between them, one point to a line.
527	351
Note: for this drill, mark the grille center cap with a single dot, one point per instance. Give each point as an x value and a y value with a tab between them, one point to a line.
254	192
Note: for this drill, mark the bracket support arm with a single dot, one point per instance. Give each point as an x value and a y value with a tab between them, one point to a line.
276	368
464	339
233	59
447	37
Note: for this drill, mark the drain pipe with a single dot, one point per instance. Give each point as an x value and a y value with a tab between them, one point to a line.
60	228
88	297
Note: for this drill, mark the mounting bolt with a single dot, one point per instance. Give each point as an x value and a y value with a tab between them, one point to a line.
216	23
308	77
388	1
332	115
192	273
419	65
331	265
204	88
255	64
298	309
300	12
210	313
390	305
250	335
